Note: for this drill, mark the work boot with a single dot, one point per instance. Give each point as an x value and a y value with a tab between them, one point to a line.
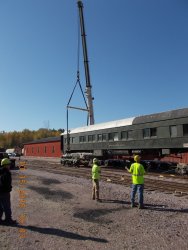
1	221
10	222
141	206
133	205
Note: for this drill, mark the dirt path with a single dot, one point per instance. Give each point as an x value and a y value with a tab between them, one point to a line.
59	214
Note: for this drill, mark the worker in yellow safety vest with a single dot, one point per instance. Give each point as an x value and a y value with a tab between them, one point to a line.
137	170
96	170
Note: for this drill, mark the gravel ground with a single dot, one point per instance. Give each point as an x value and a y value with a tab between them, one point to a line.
59	214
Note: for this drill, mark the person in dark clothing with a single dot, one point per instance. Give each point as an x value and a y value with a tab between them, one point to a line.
5	189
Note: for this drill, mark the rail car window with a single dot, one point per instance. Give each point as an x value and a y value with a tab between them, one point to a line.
91	138
72	140
82	139
185	129
113	136
153	132
99	137
124	135
130	135
149	132
146	133
104	137
173	131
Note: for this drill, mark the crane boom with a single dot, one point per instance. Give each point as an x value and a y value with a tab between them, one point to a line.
86	65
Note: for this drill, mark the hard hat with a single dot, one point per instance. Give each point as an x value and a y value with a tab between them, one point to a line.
5	161
95	160
136	158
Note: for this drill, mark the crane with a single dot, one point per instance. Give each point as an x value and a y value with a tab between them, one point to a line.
86	66
88	92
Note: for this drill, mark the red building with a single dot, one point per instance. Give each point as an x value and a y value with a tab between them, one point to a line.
46	147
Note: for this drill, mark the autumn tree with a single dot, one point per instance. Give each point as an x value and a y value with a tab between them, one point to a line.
17	139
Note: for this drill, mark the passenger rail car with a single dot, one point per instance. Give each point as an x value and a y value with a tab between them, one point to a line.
156	136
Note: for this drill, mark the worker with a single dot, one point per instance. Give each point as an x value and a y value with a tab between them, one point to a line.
96	170
5	189
137	170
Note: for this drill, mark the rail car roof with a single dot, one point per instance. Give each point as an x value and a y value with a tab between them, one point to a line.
132	121
105	125
168	115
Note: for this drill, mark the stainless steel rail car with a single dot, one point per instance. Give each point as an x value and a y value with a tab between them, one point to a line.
153	136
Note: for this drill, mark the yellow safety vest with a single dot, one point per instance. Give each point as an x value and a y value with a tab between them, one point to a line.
96	172
137	171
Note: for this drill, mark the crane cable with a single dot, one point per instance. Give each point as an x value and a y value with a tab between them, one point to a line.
77	82
78	71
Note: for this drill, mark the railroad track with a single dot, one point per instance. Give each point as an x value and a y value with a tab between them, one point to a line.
152	182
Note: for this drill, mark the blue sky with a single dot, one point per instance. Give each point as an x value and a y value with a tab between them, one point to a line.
138	58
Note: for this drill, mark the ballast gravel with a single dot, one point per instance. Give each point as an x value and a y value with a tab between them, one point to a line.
56	212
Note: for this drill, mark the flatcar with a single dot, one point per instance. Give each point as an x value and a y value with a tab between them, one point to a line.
159	136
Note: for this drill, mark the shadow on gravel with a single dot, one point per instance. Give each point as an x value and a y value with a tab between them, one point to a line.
162	208
55	195
115	201
46	181
94	215
60	233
